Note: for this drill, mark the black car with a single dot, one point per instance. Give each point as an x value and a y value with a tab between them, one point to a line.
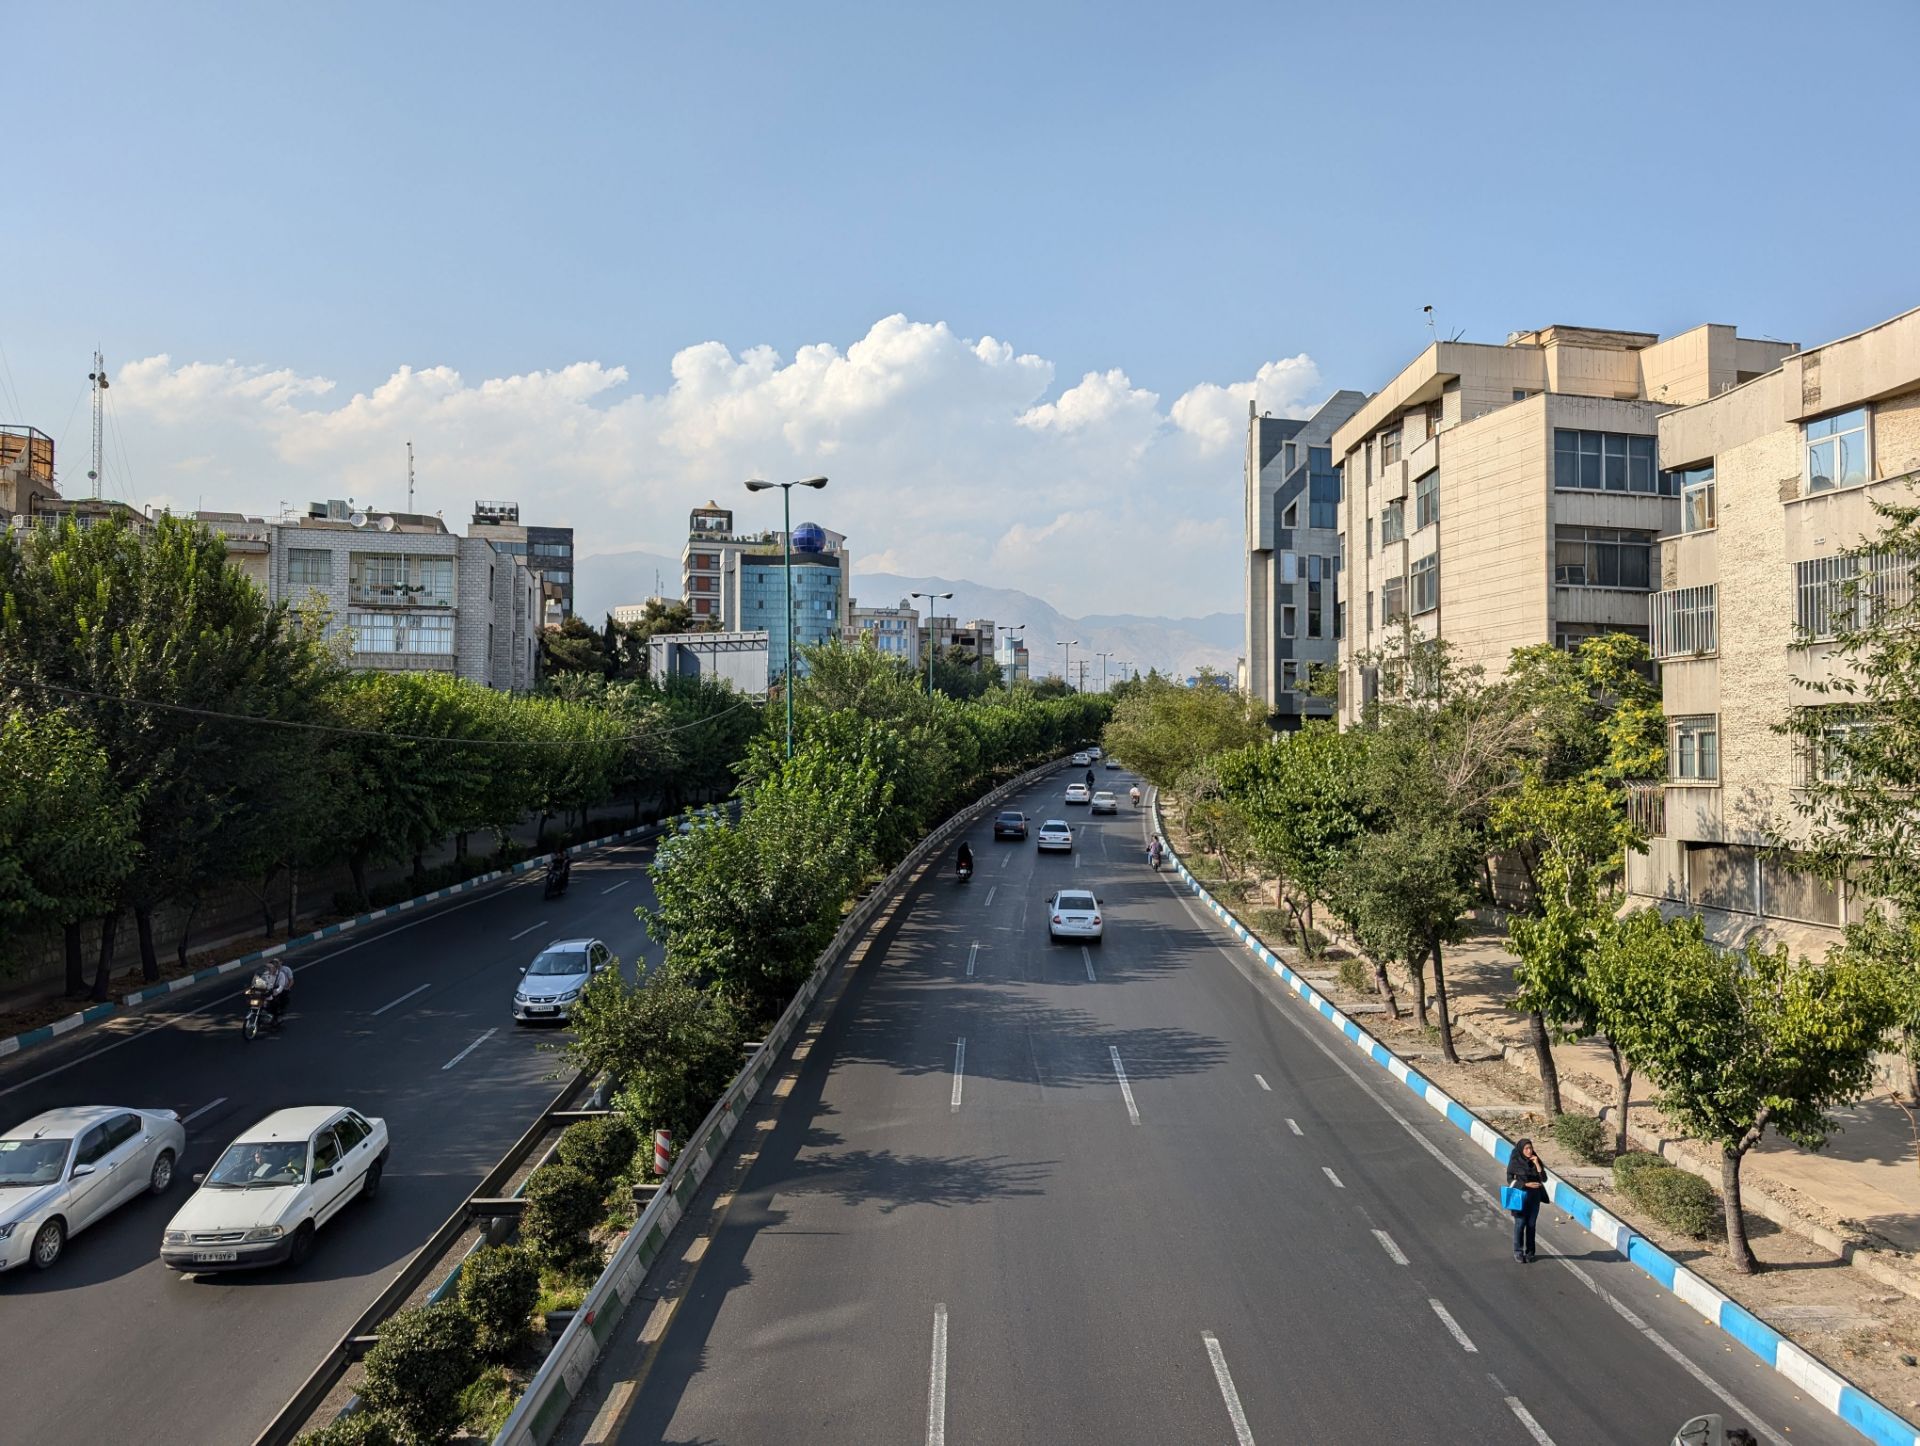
1010	825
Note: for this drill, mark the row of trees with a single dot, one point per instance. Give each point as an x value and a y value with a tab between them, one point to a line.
168	733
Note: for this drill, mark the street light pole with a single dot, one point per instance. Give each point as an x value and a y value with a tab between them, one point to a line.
1103	669
755	484
1067	673
1013	651
932	598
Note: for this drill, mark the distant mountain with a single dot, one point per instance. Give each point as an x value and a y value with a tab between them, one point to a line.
603	581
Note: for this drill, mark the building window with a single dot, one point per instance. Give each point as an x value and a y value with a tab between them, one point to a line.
1833	595
1693	749
1825	753
401	633
1369	612
1607	462
1393	523
1340	622
1425	577
1291	460
1319	572
1568	637
1837	451
309	567
1289	620
1389	447
1684	622
397	577
1426	500
1696	489
1291	517
1611	557
1393	599
1369	537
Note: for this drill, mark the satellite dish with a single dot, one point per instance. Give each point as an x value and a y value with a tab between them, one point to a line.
387	524
357	519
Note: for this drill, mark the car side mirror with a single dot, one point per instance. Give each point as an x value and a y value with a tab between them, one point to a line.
81	1172
325	1174
200	1179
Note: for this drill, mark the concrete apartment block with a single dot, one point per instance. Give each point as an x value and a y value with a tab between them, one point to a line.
894	629
1781	474
1500	496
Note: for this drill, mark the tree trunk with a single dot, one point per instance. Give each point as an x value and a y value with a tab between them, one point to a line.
1440	1000
266	906
1383	983
293	898
1623	1091
1417	971
540	832
76	964
103	971
1739	1253
460	845
186	930
357	866
1913	1066
419	869
1543	1056
1300	923
143	922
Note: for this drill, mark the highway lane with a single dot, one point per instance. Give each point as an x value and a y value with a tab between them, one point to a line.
410	1022
1022	1192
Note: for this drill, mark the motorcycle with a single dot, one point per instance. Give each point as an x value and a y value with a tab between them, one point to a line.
556	882
259	1000
966	870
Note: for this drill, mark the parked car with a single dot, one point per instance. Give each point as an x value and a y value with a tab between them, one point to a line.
1054	837
1077	793
67	1169
1010	824
1104	802
1081	760
553	981
1074	914
273	1188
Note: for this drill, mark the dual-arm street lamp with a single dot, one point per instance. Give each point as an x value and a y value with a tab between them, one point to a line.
932	598
1068	674
1103	669
755	484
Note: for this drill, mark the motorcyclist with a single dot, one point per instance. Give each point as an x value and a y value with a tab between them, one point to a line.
280	982
965	857
1134	794
558	867
1089	780
1153	852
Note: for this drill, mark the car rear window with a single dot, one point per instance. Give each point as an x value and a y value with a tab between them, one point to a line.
1059	825
1077	902
1013	818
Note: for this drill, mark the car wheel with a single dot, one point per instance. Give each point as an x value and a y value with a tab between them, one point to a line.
48	1243
370	1186
302	1246
162	1175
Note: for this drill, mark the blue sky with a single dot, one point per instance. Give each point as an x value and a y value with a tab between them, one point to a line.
290	207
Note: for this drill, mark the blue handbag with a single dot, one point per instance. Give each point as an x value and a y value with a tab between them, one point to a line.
1513	1198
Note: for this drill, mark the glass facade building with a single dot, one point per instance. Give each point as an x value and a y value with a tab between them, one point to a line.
816	602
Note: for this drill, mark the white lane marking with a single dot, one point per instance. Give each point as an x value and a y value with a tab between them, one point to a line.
1453	1326
1327	1170
523	933
1311	1032
1126	1090
990	893
1394	1252
1086	957
621	885
1526	1419
973	952
1267	1087
1076	859
402	999
959	1072
1294	1126
1242	1433
937	1381
469	1049
1007	862
210	1104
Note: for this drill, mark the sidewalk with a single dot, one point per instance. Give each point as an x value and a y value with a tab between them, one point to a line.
1863	1187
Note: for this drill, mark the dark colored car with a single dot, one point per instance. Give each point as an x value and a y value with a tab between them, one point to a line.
1010	825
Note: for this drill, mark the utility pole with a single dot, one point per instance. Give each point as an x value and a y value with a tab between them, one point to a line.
1083	676
409	476
1103	669
97	381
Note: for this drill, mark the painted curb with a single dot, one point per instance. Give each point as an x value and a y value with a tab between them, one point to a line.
49	1032
1819	1381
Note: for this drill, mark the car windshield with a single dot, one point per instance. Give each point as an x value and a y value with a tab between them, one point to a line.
560	961
260	1163
32	1162
1075	903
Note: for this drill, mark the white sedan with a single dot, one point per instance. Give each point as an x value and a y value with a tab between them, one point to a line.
67	1169
1074	914
1054	837
1081	760
274	1187
1078	793
1105	802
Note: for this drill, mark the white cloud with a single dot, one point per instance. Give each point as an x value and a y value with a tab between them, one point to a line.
948	455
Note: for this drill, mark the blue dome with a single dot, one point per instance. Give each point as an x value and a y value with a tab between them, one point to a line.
809	537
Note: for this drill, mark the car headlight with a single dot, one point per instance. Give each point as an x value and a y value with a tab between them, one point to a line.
174	1237
6	1230
520	998
568	997
265	1232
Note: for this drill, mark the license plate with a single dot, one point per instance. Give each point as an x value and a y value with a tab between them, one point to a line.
540	1009
214	1257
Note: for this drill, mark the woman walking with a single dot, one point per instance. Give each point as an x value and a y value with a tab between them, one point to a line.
1525	1192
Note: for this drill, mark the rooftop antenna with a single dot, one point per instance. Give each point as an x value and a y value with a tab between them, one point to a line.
1431	333
409	476
97	383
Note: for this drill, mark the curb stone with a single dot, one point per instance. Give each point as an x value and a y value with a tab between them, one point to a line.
1820	1382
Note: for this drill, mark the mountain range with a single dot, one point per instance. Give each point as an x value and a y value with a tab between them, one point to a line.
1178	646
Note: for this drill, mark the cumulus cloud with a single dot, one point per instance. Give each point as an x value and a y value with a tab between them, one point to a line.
948	454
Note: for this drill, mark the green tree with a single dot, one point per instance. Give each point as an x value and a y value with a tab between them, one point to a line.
1629	958
671	1045
1163	730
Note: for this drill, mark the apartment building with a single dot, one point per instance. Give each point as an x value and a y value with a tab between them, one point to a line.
894	629
1011	655
1777	477
972	640
1293	557
26	472
547	552
1500	496
709	540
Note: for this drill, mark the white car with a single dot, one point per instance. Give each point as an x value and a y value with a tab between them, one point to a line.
1077	793
67	1169
1081	760
1094	753
1112	765
274	1187
1105	802
1054	837
1074	914
553	981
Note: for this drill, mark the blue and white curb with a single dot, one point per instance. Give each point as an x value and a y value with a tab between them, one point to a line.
49	1032
1819	1381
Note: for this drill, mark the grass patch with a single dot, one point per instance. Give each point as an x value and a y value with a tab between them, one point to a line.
563	1289
486	1404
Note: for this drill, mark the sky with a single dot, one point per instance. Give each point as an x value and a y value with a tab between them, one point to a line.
1007	273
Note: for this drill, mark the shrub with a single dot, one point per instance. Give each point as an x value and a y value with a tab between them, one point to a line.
1583	1134
362	1428
498	1288
1678	1200
563	1206
1634	1162
414	1375
1356	975
603	1148
486	1404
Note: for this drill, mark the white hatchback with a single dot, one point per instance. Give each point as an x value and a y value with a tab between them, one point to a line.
67	1169
274	1187
1054	837
1074	914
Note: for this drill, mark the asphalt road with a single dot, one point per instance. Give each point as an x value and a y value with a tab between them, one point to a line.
409	1021
1149	1199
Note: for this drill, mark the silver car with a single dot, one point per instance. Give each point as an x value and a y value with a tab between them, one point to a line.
553	981
67	1169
